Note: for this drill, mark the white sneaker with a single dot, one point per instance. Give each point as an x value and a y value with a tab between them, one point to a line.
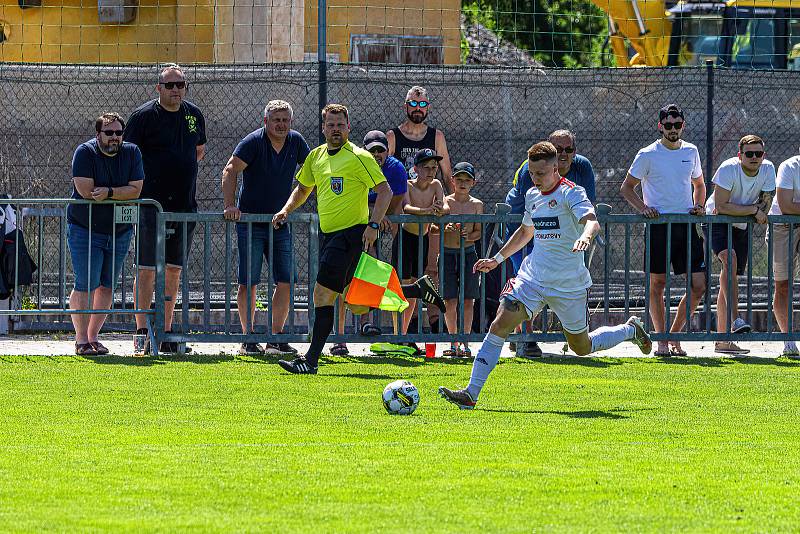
790	350
740	327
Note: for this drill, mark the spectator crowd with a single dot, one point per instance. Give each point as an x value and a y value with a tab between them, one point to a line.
404	170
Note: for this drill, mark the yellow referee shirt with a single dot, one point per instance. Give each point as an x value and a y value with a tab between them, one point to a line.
343	181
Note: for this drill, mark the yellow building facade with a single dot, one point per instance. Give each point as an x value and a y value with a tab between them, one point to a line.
209	31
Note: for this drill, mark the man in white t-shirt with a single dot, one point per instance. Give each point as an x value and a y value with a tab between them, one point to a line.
787	202
668	171
743	185
561	220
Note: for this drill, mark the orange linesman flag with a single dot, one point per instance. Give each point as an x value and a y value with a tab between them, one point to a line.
375	284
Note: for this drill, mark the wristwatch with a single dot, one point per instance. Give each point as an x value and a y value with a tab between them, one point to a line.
374	225
110	192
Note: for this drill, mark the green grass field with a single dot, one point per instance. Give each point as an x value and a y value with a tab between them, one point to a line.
224	443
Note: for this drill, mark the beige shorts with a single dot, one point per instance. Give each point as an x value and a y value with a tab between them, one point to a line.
780	250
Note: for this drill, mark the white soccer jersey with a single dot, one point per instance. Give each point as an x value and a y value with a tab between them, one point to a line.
555	216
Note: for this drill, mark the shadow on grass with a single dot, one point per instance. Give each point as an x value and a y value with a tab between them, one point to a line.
362	376
560	359
617	413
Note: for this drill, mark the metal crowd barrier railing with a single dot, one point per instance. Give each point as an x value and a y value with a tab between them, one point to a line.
43	223
703	329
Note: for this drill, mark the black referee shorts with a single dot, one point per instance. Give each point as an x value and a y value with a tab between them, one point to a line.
338	257
679	249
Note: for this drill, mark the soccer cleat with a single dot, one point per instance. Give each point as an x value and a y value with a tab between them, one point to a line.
459	397
740	327
298	366
640	336
429	293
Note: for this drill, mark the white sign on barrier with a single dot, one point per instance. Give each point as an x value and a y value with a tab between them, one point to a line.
126	214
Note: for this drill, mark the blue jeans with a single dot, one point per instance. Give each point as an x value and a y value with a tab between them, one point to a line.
105	256
259	249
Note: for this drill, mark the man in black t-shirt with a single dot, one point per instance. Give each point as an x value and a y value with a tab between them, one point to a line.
171	133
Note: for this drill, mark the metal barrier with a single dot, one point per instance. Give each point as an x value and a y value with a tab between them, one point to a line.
43	223
204	311
704	329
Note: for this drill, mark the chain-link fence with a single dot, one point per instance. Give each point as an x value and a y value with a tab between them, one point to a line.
489	117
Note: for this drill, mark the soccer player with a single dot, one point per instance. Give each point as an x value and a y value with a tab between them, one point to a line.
562	222
342	174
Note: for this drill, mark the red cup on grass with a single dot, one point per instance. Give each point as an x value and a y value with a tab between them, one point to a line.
430	350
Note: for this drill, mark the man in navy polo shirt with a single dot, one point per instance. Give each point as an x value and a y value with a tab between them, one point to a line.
267	159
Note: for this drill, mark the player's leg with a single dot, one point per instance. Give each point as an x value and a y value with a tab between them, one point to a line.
572	310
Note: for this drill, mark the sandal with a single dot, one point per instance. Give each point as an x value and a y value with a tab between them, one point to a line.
85	349
99	347
452	352
370	330
340	349
465	353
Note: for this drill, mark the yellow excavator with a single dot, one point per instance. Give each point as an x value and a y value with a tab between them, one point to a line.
753	34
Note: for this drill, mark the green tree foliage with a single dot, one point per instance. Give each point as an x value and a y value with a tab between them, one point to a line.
561	33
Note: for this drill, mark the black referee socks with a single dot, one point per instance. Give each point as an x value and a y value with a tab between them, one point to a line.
323	326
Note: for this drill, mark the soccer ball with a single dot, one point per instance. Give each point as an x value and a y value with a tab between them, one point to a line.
401	397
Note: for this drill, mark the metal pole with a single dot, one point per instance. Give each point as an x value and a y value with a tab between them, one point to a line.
709	121
322	60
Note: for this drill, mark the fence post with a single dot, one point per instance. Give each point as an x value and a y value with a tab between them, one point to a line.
709	173
322	60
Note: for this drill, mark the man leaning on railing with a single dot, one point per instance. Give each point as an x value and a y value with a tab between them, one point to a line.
787	202
103	168
671	177
743	185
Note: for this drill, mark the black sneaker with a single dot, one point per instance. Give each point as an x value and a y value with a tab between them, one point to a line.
279	348
530	350
286	348
298	366
429	293
251	348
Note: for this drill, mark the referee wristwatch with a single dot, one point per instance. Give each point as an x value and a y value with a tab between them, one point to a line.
374	225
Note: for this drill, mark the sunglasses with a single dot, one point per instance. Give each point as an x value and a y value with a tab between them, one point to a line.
671	125
566	150
109	133
415	103
754	153
172	85
377	150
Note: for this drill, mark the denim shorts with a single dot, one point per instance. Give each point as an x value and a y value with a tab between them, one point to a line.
259	250
105	256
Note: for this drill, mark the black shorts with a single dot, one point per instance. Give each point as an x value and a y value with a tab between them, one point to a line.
719	242
452	273
410	267
173	246
678	249
339	253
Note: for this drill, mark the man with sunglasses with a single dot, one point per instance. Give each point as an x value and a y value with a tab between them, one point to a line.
671	178
572	166
104	168
743	185
171	134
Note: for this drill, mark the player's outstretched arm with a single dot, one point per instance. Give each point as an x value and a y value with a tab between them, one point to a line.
520	238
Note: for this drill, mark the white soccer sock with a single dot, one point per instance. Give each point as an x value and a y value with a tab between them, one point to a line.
606	337
485	361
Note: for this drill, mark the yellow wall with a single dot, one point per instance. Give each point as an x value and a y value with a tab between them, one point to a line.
391	17
68	31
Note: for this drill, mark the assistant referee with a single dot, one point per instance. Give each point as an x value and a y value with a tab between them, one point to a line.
343	174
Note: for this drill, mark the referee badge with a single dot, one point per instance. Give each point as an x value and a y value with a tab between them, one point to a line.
337	184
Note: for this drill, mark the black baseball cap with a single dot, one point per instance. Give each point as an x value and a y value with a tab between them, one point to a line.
669	110
376	138
465	168
425	154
